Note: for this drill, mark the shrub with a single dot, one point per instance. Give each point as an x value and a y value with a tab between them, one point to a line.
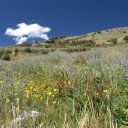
124	32
99	32
45	51
47	46
1	52
80	60
125	39
16	51
6	56
7	51
27	50
90	43
113	40
24	45
70	50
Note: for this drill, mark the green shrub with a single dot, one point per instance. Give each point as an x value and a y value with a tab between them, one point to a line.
24	45
99	32
1	52
124	32
80	60
70	50
125	39
27	50
113	40
16	51
6	56
7	51
44	51
47	46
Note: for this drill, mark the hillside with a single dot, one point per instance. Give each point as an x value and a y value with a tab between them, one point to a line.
112	37
100	37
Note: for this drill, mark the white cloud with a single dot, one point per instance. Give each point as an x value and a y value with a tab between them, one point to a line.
25	32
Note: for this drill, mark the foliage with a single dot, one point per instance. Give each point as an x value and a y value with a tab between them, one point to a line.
6	55
125	39
16	51
24	45
1	52
27	50
113	40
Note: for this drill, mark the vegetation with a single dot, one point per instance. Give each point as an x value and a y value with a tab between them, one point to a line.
1	52
86	89
16	51
66	82
125	39
5	54
27	50
113	40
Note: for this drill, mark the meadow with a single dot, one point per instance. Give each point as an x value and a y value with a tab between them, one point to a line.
87	89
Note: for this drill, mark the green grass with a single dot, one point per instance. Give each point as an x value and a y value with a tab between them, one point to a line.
86	89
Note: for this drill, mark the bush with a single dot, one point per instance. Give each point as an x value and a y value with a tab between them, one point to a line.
24	45
6	56
113	40
124	32
70	50
1	52
125	39
99	32
7	51
80	60
27	50
16	51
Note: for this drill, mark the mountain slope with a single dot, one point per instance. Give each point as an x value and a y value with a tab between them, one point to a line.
101	37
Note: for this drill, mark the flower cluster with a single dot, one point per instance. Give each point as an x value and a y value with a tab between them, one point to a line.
37	90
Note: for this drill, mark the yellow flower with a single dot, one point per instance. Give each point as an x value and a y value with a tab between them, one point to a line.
55	90
105	91
17	99
15	94
1	81
7	100
17	109
49	93
54	102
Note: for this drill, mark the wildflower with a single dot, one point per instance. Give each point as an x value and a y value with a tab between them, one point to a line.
49	93
55	90
17	99
17	109
1	81
105	91
15	94
7	100
54	102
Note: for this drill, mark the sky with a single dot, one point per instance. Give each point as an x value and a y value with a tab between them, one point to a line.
31	20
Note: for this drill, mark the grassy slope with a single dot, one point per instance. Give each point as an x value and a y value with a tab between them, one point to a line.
100	37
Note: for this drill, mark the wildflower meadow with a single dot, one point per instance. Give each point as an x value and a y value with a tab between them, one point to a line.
86	89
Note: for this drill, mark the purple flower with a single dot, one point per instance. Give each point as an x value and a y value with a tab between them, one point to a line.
122	60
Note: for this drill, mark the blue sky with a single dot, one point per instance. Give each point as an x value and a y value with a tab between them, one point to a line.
64	17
